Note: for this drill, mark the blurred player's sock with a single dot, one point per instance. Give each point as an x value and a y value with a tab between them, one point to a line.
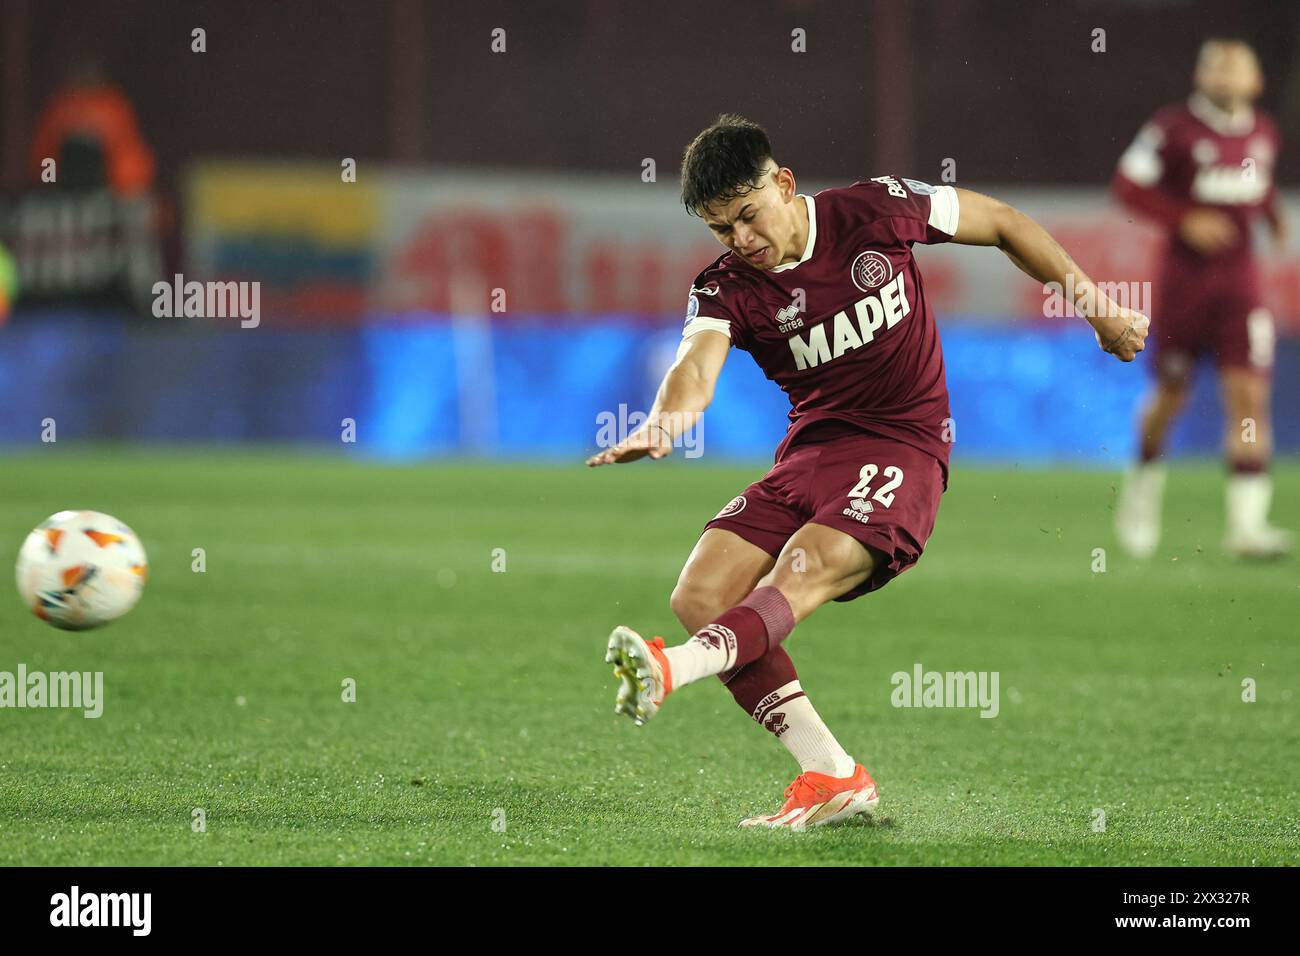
1137	516
1249	495
768	690
743	634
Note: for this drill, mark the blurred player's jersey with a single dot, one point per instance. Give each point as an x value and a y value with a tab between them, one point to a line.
1192	155
847	330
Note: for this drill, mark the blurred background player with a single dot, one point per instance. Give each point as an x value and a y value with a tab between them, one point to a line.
1203	170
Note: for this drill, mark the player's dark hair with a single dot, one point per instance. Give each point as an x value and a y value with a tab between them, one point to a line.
724	161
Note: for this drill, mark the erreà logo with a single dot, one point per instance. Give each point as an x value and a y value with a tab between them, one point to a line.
872	313
788	318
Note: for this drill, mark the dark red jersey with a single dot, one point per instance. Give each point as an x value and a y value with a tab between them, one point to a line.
847	331
1192	155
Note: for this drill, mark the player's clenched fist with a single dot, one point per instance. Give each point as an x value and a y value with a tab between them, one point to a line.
1122	333
652	440
1208	231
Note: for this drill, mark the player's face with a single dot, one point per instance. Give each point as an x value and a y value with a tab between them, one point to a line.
760	226
1229	75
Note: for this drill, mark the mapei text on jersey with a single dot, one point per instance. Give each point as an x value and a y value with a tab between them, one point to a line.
840	333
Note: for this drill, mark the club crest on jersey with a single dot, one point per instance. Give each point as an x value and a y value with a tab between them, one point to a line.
830	339
871	270
1205	152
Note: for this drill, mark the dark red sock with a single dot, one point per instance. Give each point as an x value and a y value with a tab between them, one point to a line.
1148	450
753	627
755	684
1242	466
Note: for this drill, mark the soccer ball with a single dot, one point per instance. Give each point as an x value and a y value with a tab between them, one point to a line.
81	569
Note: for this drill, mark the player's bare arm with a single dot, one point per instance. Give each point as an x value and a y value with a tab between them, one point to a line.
684	394
1278	225
986	221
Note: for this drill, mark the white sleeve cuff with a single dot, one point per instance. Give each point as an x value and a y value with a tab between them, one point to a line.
702	323
1141	162
944	210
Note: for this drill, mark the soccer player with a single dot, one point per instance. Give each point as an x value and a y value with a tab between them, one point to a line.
1203	170
824	293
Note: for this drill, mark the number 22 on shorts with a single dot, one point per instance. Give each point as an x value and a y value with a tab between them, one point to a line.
885	493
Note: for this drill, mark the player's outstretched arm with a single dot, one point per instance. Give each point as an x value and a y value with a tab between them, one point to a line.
1278	224
683	396
985	221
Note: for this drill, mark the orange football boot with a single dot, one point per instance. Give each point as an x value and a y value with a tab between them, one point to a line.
816	799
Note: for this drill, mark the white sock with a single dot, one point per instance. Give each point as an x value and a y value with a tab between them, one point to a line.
1248	499
790	716
1148	480
711	651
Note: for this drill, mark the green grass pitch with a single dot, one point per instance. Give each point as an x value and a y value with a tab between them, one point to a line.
483	701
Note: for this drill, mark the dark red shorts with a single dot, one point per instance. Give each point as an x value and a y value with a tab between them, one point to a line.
883	493
1204	307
